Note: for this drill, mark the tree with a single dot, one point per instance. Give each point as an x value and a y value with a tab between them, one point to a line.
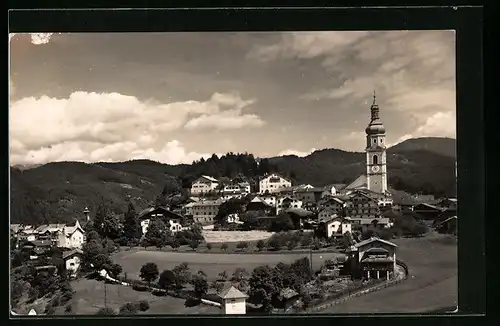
200	285
239	275
263	288
167	280
223	246
128	309
115	270
182	275
217	286
174	243
223	276
132	231
149	272
290	245
143	305
112	228
283	222
102	214
274	243
194	244
242	245
209	246
260	245
157	233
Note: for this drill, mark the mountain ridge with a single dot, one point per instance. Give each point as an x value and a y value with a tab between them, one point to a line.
61	190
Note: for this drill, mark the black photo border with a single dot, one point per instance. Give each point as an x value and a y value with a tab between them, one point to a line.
467	21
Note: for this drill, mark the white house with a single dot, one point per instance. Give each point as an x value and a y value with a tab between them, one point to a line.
173	220
237	188
233	301
287	202
272	183
203	211
72	260
174	225
203	185
337	226
71	237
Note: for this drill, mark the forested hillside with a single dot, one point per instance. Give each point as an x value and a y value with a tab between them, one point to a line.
60	191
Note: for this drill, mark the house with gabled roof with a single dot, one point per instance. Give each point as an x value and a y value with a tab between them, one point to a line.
233	301
273	183
428	211
373	258
258	203
361	205
203	185
203	211
72	260
175	222
71	237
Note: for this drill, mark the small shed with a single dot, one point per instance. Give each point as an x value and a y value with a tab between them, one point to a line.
288	298
233	301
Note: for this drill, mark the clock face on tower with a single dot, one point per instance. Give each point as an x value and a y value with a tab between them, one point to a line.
375	168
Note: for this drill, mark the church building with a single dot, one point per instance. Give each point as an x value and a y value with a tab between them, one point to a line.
375	178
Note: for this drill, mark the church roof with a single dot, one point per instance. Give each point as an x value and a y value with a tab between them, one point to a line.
360	182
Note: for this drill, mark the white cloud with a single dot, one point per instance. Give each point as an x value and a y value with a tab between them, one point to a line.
440	124
114	127
295	152
172	153
36	38
413	73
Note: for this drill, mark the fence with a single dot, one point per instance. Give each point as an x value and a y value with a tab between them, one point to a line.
365	289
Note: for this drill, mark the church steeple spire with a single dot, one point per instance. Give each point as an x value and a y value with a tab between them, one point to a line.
374	108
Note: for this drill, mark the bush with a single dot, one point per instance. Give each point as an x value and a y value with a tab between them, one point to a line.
143	305
105	312
260	244
242	245
128	309
68	308
224	246
193	244
50	310
209	246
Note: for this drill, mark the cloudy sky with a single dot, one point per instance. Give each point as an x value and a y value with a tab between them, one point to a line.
174	97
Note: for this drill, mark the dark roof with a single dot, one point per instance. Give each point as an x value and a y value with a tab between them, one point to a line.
367	241
68	254
299	211
168	212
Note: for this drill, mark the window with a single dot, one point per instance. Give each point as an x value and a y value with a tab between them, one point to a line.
375	141
375	159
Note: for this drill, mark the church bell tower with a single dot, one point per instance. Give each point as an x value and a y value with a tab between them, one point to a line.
376	168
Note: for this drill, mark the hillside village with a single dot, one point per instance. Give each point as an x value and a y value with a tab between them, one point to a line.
361	216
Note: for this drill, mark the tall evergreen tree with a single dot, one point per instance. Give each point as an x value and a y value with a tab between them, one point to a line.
131	227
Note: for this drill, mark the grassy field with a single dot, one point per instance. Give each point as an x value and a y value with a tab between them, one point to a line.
211	264
235	236
89	298
432	283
